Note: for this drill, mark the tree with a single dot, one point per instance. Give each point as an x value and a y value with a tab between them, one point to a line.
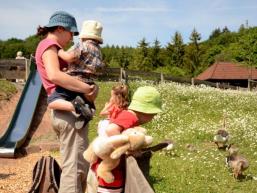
248	46
176	50
142	59
10	47
241	29
195	38
155	55
193	52
30	45
123	58
211	53
215	33
110	55
225	30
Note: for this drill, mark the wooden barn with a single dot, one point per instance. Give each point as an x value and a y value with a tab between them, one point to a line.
229	73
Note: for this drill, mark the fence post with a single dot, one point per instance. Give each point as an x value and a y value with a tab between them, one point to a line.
217	85
27	68
249	86
123	76
162	78
193	81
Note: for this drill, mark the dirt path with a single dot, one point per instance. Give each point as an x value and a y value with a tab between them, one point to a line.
6	111
16	174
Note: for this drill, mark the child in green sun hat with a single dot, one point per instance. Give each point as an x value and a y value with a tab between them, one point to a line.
145	104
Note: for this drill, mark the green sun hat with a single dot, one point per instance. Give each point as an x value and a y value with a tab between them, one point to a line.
147	100
64	19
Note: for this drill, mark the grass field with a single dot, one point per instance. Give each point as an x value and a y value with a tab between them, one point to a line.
191	116
6	89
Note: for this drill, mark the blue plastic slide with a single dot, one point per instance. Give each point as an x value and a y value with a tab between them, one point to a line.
19	126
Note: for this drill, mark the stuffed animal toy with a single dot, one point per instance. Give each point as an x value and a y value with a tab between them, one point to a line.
109	150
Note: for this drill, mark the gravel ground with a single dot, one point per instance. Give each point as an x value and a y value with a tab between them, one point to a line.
16	174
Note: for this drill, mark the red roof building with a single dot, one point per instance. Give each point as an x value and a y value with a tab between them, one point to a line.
231	73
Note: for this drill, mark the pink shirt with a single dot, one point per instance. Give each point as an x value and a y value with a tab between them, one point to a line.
41	48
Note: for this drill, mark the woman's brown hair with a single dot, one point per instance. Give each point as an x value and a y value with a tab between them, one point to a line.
42	31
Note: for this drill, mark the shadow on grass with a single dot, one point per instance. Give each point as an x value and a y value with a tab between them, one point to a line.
244	178
4	176
154	180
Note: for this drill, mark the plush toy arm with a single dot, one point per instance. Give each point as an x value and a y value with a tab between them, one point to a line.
103	146
148	140
119	151
90	155
118	140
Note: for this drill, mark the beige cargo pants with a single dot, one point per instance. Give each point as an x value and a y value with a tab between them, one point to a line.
73	143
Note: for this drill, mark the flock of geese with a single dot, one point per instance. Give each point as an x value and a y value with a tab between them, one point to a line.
235	161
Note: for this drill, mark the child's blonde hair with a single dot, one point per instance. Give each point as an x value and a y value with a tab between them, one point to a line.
121	92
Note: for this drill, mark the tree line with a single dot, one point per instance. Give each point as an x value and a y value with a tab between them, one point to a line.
176	58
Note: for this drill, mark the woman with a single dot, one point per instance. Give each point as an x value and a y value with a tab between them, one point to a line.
58	33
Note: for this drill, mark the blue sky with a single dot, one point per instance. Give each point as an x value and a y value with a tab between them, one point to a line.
126	22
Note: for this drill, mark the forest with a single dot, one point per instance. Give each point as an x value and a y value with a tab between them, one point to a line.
177	58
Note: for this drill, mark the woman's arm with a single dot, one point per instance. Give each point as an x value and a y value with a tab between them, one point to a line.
52	66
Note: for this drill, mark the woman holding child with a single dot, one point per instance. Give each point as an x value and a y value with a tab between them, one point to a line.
58	33
145	104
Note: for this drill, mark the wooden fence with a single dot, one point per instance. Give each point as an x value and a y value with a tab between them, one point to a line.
12	69
119	74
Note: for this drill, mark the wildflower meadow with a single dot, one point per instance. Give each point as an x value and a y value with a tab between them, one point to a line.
191	116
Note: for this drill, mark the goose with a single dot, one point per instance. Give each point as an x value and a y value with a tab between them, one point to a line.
222	136
237	163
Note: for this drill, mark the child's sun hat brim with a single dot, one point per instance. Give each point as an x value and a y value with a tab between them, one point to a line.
146	100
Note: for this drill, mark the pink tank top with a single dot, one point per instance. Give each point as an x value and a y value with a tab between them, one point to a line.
41	48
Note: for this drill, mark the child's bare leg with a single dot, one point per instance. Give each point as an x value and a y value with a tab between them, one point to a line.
64	105
61	104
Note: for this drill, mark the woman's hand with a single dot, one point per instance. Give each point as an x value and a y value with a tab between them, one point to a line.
91	96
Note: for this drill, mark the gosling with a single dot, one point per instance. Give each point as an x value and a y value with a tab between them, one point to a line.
236	162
